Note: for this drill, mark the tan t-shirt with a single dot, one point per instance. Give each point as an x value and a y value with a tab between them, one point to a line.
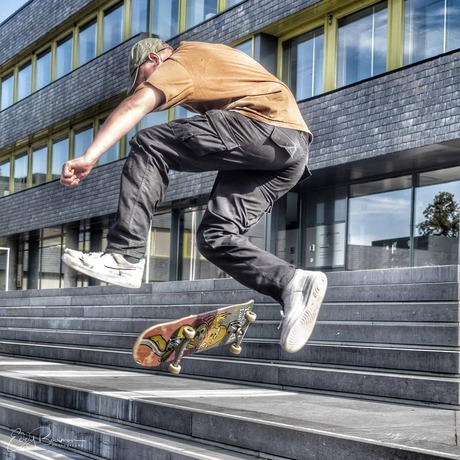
203	76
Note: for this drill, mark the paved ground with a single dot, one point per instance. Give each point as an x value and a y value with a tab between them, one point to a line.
425	429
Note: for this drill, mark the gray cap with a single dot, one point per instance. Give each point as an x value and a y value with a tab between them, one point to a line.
139	54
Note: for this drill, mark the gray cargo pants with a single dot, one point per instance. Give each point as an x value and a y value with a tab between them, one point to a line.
257	163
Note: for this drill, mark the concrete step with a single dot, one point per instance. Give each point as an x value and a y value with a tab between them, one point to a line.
392	286
16	445
433	359
116	413
101	438
397	329
412	359
52	329
379	383
368	383
371	311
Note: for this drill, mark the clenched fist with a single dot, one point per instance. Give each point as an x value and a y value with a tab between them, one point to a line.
74	171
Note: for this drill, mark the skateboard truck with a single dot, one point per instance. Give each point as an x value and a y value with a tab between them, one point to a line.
238	328
189	334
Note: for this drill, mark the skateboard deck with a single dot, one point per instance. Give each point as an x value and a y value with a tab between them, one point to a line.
170	342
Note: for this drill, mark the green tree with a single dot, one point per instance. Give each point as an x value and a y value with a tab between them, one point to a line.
441	216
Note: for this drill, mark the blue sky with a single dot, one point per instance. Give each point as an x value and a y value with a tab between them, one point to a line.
8	7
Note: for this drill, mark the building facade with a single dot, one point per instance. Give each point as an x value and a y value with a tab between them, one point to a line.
376	81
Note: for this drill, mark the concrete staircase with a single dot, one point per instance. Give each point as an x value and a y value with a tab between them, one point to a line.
385	338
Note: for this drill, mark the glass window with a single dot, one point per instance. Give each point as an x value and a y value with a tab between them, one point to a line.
24	81
59	155
246	47
158	261
194	265
128	138
199	11
303	60
139	16
325	228
436	217
7	91
154	118
379	224
286	217
182	112
39	165
43	70
113	28
362	44
431	27
4	270
64	57
231	3
82	140
5	178
112	154
165	18
20	172
87	43
51	242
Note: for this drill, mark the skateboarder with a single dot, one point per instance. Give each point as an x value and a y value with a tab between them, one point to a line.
248	128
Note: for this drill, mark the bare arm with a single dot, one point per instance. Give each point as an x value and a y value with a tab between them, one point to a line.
118	124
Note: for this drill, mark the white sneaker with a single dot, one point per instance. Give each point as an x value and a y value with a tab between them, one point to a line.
302	299
107	267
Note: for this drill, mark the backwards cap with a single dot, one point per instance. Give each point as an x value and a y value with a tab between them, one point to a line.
139	54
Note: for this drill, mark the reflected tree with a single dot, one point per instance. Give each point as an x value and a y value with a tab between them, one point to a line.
441	216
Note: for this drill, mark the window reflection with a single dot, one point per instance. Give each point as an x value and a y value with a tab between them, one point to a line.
247	47
113	28
7	91
39	165
87	44
24	81
231	3
82	140
158	260
431	27
43	70
287	219
199	11
436	218
165	18
112	154
154	118
60	154
20	172
4	178
362	44
303	64
194	265
325	232
64	57
379	224
139	16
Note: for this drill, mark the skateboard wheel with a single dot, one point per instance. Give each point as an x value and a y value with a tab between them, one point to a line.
189	332
250	316
235	349
173	369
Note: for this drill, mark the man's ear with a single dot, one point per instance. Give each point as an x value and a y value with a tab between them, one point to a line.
153	57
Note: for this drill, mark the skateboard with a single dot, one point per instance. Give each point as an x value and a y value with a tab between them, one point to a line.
170	342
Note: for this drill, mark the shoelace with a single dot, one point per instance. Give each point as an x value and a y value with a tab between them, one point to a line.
91	254
283	317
